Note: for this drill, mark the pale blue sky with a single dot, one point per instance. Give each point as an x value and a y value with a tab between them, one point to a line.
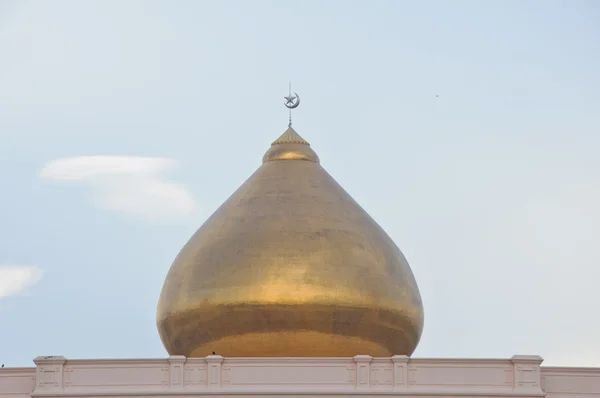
492	189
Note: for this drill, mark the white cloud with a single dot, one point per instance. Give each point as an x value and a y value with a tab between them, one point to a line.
132	185
16	278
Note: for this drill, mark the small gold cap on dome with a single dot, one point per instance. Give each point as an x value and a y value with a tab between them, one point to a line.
290	136
290	146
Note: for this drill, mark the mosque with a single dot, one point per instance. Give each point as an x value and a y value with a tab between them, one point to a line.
291	289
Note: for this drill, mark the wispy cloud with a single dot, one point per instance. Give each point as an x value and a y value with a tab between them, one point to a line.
132	185
16	278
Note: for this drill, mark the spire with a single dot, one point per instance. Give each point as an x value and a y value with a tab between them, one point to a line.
291	102
289	145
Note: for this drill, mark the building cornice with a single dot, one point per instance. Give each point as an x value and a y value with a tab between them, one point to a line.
360	376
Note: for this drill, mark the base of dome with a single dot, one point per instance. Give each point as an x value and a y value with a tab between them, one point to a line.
302	330
291	344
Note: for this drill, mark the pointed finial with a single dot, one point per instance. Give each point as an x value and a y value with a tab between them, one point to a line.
291	102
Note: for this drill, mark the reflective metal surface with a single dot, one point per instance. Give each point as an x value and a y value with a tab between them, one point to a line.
290	265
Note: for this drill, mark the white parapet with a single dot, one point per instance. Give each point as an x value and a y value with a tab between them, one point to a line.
16	382
361	376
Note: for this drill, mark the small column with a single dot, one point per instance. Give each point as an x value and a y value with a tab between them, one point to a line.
400	371
176	371
214	370
49	373
527	373
363	371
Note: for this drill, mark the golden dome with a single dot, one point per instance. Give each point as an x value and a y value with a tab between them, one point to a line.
290	266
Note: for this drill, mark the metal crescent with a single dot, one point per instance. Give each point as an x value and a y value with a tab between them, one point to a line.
296	104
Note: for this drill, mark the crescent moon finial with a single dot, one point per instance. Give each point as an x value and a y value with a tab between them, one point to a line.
291	102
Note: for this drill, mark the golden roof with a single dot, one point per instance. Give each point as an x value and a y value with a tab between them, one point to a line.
290	265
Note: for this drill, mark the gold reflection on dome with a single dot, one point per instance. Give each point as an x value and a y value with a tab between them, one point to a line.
290	265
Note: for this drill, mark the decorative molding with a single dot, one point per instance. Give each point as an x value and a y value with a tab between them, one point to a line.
363	371
527	372
556	370
571	382
177	371
214	370
17	382
362	375
195	373
49	372
400	371
382	373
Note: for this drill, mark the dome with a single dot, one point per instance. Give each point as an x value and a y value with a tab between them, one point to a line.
290	266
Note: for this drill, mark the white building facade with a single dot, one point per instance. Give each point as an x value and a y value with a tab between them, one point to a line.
361	376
